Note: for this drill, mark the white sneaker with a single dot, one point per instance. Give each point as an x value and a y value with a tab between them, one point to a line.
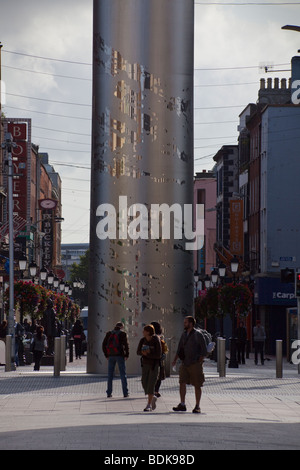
154	402
148	408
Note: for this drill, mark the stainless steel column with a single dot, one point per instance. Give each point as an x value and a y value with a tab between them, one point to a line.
142	149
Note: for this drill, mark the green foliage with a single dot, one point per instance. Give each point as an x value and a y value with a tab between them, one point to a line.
223	300
32	300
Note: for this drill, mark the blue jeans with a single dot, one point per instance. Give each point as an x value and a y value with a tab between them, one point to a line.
112	361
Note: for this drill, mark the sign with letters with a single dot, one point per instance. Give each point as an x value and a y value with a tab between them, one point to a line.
20	168
236	228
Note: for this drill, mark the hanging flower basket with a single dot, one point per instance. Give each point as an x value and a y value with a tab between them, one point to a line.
32	300
235	297
206	305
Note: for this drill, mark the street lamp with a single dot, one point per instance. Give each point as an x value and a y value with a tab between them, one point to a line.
62	286
22	264
222	273
233	363
32	270
55	282
222	270
43	275
234	264
207	281
50	278
214	276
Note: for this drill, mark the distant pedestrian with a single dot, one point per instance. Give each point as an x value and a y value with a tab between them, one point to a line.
164	351
78	335
50	326
116	350
191	351
241	339
3	330
259	337
150	349
19	334
38	346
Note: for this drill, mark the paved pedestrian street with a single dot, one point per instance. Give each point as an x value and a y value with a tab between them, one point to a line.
248	409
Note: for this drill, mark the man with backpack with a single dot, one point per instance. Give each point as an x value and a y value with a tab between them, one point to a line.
116	350
191	351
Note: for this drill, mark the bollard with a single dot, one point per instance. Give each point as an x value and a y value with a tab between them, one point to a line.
222	357
8	346
71	349
279	359
63	353
57	350
218	352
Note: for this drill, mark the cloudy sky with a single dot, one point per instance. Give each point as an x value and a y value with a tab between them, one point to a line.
47	71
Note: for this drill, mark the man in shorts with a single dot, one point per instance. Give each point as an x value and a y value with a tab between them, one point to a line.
191	351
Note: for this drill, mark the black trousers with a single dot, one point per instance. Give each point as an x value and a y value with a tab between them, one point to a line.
78	347
240	346
37	356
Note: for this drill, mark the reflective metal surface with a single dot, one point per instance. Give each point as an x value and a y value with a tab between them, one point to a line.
142	148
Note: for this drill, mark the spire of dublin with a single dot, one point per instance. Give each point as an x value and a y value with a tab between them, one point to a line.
141	266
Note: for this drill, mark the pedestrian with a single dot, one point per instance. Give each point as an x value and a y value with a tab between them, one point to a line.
19	334
3	330
191	351
116	350
78	336
241	339
164	351
150	349
50	326
259	337
38	346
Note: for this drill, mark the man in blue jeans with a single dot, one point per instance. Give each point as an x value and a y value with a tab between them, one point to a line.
116	350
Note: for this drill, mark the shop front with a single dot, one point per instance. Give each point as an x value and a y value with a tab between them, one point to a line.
273	299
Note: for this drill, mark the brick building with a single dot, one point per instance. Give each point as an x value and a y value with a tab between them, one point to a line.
35	227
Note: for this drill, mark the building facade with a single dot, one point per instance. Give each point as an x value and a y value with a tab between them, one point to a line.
205	193
34	180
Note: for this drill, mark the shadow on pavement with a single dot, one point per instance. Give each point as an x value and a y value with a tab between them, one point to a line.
147	436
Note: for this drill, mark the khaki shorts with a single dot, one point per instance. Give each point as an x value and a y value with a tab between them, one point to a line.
192	375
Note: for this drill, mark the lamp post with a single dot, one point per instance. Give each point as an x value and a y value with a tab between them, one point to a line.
196	278
32	270
43	275
50	278
233	363
22	265
222	273
55	282
214	276
207	282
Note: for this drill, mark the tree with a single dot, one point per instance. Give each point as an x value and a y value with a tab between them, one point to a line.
80	271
